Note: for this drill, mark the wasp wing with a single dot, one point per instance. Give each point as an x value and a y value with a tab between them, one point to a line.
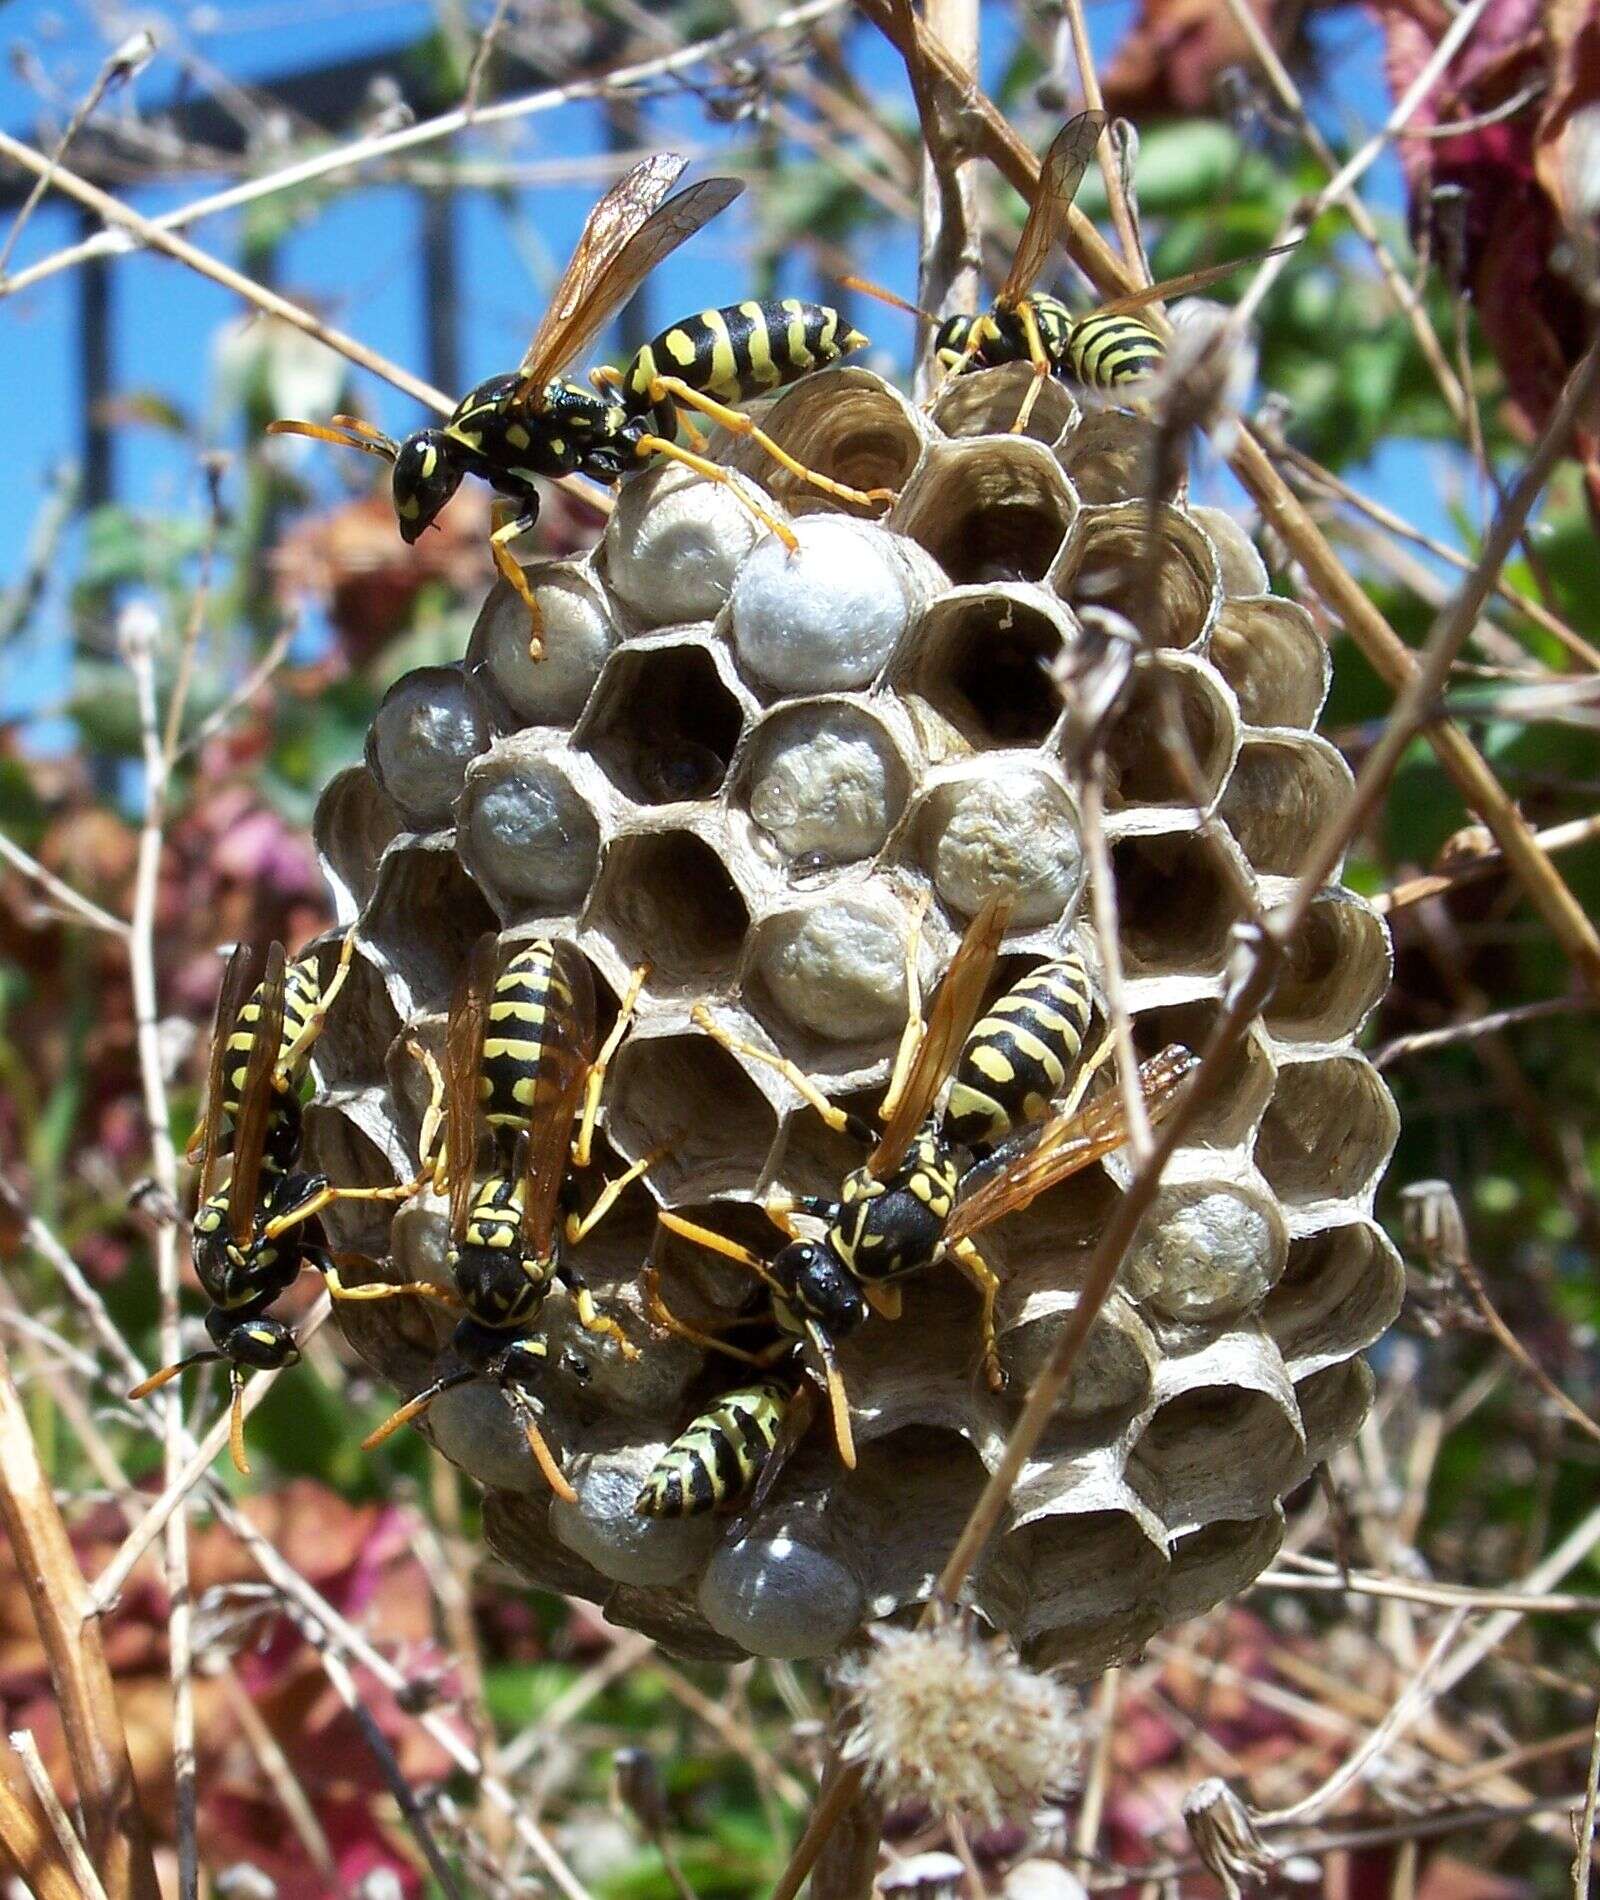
1190	281
1040	1156
627	235
955	1010
798	1413
1060	174
463	1055
238	980
566	1054
255	1098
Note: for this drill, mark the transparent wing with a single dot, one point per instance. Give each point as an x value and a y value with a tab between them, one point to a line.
566	1052
463	1051
955	1010
1190	281
238	980
627	235
1060	174
798	1414
255	1099
1039	1157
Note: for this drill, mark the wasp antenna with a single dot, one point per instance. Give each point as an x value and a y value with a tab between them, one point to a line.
838	1399
354	425
380	445
241	1464
414	1408
168	1373
866	286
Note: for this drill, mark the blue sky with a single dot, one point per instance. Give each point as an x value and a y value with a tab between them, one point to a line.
357	260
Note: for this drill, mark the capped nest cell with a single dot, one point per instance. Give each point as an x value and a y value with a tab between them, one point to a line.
748	769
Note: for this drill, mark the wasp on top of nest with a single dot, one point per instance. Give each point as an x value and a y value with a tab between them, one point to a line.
914	1202
1110	350
513	430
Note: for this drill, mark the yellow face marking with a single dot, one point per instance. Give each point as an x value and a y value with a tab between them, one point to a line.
680	347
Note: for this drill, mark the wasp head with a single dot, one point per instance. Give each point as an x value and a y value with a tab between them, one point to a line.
264	1344
820	1287
427	472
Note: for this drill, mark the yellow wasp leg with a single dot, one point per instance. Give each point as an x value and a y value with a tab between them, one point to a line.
836	1118
602	1062
608	377
949	371
392	1290
431	1157
708	1342
982	1276
649	445
291	1058
1039	360
578	1227
911	1036
507	528
738	423
325	1197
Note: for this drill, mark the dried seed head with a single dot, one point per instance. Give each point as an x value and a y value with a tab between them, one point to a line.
1434	1229
1225	1837
953	1718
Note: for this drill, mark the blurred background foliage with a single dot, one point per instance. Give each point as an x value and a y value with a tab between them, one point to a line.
291	558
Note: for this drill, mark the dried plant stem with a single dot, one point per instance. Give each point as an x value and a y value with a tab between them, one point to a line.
151	234
1110	170
164	1166
1440	1595
28	1850
1583	1859
1436	883
1108	940
276	1767
347	157
848	1859
58	1599
1476	1026
69	904
26	1750
1382	646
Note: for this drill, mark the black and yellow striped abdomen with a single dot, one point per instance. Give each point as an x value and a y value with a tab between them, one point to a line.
1106	352
530	1003
302	991
738	352
1020	1053
719	1456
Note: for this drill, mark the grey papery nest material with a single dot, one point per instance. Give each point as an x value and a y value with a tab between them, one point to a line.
745	767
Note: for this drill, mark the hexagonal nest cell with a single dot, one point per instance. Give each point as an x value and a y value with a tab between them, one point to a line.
744	772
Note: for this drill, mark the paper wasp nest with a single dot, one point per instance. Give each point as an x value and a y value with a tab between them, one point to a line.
742	767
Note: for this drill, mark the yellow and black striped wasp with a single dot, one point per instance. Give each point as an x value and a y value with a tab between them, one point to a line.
249	1237
514	429
915	1202
727	1451
1109	349
519	1054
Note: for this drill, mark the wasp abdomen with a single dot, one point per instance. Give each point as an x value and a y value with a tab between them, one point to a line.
1020	1053
740	351
529	992
1106	352
719	1456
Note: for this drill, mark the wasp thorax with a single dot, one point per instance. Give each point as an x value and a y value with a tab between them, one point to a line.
764	775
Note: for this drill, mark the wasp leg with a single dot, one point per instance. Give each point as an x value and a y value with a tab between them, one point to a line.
916	1027
648	445
432	1161
392	1290
738	423
590	1317
507	529
607	376
579	1226
1041	366
311	1028
326	1196
522	1410
984	1278
948	372
602	1062
840	1120
708	1342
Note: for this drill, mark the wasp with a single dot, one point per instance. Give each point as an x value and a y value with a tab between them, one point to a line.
520	1059
1109	349
249	1238
723	1453
915	1201
514	430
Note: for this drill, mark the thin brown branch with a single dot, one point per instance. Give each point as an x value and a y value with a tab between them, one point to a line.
1583	1860
73	1851
58	1599
28	1849
1476	1026
1482	864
